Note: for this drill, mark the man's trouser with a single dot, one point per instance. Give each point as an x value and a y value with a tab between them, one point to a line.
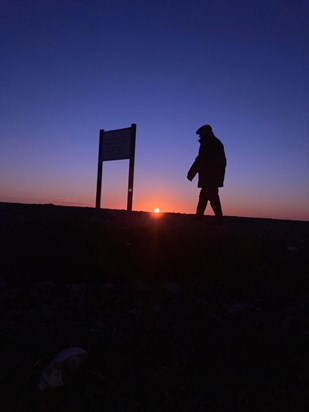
211	194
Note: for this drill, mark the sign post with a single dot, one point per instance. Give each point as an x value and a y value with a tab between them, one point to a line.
117	145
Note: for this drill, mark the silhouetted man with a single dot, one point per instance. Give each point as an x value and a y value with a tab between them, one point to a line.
210	165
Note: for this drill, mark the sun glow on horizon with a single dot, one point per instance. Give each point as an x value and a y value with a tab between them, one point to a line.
156	210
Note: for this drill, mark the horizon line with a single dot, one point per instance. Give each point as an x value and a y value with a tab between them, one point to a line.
80	205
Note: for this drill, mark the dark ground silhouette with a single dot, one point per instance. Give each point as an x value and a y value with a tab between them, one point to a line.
175	315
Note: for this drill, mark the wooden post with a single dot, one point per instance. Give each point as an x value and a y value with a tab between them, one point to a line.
131	167
100	167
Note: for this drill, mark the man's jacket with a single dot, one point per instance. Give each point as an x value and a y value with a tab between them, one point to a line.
210	163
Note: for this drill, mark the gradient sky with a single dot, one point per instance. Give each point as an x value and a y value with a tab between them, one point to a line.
70	68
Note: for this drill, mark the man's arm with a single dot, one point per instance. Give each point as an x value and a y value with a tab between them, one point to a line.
192	171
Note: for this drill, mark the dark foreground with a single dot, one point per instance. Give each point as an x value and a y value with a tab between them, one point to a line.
172	314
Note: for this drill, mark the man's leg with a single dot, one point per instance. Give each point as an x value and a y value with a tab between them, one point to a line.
215	204
202	202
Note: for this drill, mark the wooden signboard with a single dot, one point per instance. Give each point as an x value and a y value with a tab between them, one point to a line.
117	145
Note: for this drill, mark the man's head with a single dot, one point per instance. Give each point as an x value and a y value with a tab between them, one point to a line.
204	130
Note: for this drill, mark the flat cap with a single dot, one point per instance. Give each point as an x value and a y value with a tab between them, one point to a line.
205	128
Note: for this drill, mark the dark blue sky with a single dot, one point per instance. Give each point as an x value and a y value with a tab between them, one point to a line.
70	68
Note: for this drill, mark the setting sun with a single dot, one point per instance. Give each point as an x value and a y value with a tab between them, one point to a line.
156	210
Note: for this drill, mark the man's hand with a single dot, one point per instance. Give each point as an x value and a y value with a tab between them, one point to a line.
192	172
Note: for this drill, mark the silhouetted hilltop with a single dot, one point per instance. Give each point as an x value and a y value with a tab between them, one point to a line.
71	243
174	315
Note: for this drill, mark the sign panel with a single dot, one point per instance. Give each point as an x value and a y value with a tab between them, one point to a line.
116	144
